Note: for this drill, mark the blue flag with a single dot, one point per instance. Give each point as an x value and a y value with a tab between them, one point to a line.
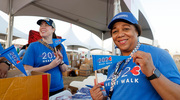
12	55
1	48
100	61
57	41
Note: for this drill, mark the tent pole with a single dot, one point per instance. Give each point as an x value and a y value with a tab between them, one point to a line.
10	26
102	43
117	9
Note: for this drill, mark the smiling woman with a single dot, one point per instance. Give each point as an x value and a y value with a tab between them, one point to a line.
42	56
121	43
147	67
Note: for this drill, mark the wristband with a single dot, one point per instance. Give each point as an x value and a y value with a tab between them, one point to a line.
6	62
156	74
62	63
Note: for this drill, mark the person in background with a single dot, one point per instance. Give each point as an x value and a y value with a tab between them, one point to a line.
23	51
39	56
5	65
148	74
167	50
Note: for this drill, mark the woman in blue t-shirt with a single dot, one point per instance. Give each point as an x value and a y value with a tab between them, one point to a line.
41	57
23	51
148	74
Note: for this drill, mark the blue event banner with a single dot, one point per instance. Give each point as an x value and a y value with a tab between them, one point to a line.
57	41
100	61
12	55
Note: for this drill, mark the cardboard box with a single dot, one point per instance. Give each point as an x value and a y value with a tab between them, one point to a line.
69	57
73	63
75	57
78	64
66	73
84	67
69	62
77	72
33	87
72	56
84	70
91	65
86	61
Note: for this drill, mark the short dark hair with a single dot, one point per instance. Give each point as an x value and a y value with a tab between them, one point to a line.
137	27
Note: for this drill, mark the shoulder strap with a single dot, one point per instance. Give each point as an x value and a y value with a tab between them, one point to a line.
47	45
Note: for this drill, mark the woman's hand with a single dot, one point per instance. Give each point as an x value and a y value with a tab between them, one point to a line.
144	60
58	54
63	67
55	62
96	93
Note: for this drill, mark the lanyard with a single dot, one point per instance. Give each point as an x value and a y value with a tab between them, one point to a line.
47	45
116	72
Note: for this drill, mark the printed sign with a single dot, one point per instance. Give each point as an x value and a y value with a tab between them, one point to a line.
100	61
12	55
57	41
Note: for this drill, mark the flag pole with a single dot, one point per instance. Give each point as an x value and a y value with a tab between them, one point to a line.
96	79
55	51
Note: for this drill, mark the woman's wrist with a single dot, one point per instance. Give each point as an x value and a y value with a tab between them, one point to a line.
61	63
6	62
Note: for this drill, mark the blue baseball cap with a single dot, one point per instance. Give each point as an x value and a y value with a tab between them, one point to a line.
48	21
127	16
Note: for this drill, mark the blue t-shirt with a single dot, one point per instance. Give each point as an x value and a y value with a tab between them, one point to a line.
38	55
22	52
132	83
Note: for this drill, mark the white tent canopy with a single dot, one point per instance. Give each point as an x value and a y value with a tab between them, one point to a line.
16	33
72	42
93	15
20	41
108	45
92	44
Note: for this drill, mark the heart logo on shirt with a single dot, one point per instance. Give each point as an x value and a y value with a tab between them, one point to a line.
136	70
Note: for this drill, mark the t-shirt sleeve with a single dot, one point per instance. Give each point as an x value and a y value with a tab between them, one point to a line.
168	67
65	58
21	53
28	58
